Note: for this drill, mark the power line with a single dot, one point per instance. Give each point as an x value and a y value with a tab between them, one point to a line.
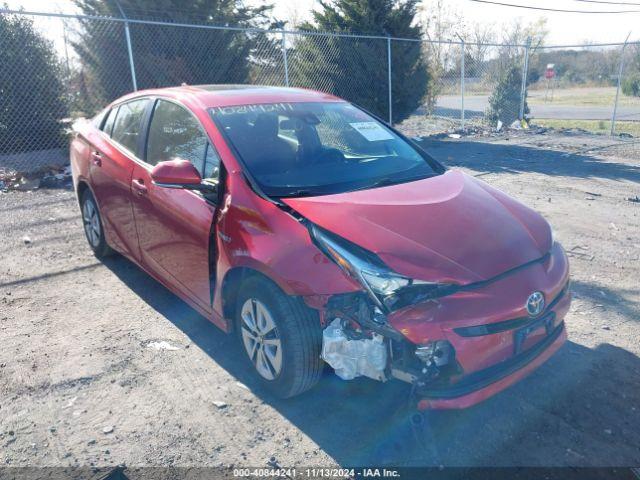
530	7
609	3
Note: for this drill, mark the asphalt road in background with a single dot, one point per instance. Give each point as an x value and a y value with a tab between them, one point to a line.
475	106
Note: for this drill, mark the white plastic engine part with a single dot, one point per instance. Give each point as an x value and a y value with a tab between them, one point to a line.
353	358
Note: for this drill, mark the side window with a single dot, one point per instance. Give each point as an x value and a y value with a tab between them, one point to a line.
175	133
98	118
211	164
108	123
126	128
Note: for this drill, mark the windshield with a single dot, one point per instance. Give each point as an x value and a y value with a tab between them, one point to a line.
298	149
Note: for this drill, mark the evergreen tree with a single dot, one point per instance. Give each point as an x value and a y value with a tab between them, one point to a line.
166	55
32	98
504	102
356	68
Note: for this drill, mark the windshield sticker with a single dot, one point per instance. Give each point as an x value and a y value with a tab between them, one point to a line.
260	108
372	131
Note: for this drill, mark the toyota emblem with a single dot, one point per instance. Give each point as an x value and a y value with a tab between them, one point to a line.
535	304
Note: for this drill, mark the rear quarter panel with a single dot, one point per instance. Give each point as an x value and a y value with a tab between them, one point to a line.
79	152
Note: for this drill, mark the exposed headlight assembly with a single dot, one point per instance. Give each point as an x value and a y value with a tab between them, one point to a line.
389	290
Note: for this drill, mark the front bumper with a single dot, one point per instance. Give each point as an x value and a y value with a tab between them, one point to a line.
496	343
483	384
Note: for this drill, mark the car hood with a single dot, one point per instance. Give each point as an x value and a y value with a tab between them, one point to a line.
448	228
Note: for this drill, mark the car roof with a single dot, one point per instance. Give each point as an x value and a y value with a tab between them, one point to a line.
210	96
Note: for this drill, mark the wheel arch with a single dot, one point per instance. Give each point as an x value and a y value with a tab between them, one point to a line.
230	289
82	187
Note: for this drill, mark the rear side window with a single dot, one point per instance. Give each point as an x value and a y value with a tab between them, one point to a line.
108	123
175	133
97	120
126	129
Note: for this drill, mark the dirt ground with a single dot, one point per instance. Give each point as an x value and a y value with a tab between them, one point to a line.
84	379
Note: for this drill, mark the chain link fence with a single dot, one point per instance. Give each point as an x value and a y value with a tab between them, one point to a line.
423	86
585	88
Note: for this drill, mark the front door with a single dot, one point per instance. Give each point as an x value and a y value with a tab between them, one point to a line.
175	226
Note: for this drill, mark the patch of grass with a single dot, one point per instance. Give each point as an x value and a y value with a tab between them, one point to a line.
587	96
593	126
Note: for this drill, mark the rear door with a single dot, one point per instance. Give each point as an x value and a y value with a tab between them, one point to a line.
175	226
113	156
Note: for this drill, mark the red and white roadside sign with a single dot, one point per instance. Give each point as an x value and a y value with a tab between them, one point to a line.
550	72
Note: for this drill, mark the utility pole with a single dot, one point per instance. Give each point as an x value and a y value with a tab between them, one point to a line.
462	79
284	58
389	80
620	70
525	72
129	49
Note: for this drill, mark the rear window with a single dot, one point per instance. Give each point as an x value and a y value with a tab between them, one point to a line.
108	123
128	122
98	119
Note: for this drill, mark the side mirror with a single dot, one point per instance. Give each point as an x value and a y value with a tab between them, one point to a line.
178	173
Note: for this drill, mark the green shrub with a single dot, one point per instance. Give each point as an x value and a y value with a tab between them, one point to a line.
32	98
504	102
166	56
631	85
356	69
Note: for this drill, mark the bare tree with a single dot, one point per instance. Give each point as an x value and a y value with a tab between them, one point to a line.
481	36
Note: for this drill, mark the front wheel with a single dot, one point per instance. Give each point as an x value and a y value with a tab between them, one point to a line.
280	336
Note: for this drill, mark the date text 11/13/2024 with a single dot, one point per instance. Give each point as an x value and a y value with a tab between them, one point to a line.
317	472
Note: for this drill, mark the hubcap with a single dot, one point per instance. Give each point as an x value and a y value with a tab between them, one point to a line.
91	223
261	338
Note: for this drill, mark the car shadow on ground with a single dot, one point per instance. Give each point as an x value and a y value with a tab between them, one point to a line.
505	158
617	299
562	414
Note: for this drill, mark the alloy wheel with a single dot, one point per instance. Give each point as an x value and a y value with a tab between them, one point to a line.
261	339
91	222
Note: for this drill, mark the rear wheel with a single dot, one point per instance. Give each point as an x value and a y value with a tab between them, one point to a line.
92	223
280	336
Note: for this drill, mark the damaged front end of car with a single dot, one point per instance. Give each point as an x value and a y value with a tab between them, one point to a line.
359	340
454	343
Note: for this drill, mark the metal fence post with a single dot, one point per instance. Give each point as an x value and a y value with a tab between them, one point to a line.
462	76
284	58
66	47
129	49
615	105
525	73
389	80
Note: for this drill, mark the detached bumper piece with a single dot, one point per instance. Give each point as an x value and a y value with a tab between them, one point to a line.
484	378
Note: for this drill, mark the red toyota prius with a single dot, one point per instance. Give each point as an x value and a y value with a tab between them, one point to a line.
320	235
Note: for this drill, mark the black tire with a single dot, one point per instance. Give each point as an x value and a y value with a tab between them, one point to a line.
300	333
98	242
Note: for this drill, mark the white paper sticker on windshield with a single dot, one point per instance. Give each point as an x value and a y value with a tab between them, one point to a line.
372	131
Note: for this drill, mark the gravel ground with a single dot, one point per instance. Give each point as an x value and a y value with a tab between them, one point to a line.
85	380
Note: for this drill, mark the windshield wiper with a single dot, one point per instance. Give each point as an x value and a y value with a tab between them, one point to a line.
383	182
387	181
298	193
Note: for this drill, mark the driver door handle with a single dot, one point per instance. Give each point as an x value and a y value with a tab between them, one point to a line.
96	158
139	187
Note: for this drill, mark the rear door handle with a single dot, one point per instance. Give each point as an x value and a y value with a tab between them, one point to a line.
139	186
96	158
